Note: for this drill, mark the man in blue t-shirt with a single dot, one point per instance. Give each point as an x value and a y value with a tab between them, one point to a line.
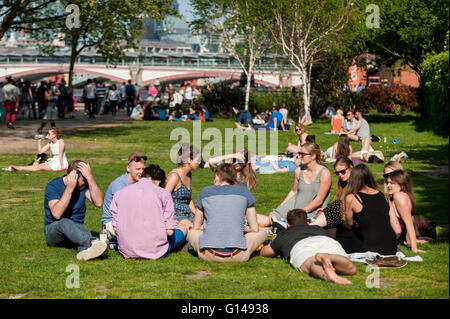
219	233
65	209
276	120
135	167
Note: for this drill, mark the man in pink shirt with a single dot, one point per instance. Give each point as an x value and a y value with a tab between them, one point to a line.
143	219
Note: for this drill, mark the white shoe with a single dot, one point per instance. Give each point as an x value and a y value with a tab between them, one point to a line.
8	169
98	248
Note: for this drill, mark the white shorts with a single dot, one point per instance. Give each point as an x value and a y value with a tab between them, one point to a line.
364	152
56	165
310	246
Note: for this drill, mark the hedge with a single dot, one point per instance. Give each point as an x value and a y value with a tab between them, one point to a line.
434	86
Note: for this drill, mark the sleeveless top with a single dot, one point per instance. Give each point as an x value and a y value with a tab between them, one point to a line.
304	195
54	148
181	198
374	225
336	124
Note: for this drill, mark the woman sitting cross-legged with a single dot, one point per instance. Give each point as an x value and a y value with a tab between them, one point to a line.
57	148
367	212
310	190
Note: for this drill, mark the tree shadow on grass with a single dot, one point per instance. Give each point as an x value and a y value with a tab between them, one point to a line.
389	118
431	155
432	201
115	131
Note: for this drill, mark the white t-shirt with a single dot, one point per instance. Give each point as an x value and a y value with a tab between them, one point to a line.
188	94
178	98
9	91
114	95
136	111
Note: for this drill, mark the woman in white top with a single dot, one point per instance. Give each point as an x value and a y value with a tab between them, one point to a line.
57	148
113	98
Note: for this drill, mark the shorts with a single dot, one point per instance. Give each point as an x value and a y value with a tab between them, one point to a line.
310	246
364	152
55	165
174	240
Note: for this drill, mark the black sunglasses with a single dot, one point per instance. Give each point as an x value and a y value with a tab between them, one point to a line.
342	171
138	159
301	154
386	175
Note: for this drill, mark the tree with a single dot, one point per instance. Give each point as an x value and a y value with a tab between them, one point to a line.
239	29
306	31
108	27
409	31
27	15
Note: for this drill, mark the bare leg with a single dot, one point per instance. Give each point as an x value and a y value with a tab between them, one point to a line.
353	137
320	221
328	269
32	168
264	220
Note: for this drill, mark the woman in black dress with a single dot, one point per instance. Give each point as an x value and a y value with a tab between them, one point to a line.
367	212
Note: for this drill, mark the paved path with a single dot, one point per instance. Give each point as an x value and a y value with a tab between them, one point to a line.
21	139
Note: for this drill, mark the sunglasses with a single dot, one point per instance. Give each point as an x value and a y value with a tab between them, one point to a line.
342	171
386	175
138	159
301	154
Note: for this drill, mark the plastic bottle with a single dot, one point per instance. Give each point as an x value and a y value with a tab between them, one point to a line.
103	235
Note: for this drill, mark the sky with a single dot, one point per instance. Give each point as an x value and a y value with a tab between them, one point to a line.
185	8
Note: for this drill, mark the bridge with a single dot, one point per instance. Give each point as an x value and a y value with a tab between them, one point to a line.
145	69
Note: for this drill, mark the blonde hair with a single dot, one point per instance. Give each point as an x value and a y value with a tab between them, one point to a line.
340	112
314	149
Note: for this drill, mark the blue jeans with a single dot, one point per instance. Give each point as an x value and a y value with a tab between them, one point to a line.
130	105
67	233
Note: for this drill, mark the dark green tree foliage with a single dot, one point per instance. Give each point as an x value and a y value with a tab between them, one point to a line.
434	87
409	30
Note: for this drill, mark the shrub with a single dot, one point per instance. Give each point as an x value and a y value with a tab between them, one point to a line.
264	100
221	99
391	99
434	85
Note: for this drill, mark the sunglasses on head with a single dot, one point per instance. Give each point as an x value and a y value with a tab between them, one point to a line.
342	171
386	175
138	159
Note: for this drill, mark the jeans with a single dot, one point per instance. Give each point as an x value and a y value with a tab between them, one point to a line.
67	233
130	105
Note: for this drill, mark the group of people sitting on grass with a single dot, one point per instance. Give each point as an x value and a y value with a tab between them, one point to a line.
147	214
155	111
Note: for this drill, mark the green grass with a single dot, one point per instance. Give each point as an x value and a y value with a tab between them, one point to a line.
30	269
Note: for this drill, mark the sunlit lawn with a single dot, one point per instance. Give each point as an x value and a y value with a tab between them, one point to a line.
30	269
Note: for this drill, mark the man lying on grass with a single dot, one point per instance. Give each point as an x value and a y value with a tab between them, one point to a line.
310	250
65	209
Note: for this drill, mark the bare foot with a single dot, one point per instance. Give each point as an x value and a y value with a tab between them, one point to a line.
329	270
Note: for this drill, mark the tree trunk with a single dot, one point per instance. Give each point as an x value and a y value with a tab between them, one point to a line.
306	87
247	89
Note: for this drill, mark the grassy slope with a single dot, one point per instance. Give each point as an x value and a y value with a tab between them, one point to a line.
28	267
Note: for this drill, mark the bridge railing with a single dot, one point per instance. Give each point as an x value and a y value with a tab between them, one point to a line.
185	62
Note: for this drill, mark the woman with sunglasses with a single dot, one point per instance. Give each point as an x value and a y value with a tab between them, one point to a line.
367	212
401	200
245	170
179	182
331	216
310	190
300	132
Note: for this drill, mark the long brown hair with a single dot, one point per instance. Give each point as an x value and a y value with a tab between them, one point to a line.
345	161
314	149
404	181
360	176
247	175
343	146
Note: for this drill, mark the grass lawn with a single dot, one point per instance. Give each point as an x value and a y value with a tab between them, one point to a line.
30	269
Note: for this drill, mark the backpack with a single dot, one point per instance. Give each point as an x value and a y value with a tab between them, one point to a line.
129	91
